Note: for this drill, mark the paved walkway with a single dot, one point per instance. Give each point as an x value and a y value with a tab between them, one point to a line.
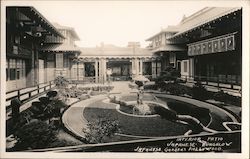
73	117
121	87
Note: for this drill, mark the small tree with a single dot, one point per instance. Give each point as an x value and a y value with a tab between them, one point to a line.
100	130
61	82
169	74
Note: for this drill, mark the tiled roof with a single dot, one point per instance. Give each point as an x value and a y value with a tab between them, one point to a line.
115	51
59	48
170	28
202	17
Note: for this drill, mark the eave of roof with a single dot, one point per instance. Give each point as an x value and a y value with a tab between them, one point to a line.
71	29
115	51
59	48
169	29
41	18
215	13
168	48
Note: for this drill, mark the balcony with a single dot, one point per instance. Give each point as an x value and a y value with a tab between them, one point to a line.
19	51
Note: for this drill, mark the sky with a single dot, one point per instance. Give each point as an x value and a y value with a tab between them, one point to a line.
114	22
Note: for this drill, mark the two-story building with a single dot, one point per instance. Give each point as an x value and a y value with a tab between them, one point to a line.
37	51
26	29
171	53
214	39
61	52
211	41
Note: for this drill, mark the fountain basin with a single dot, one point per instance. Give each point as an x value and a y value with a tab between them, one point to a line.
127	108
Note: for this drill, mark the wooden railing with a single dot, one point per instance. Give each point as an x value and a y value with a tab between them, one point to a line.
220	81
160	143
28	93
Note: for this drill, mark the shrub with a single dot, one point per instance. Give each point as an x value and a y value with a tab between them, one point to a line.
170	74
44	100
37	109
175	89
55	108
34	135
100	130
61	82
52	94
227	98
199	92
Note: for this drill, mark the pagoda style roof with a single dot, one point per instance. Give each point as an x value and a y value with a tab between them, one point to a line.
202	17
30	16
71	29
111	50
60	48
169	29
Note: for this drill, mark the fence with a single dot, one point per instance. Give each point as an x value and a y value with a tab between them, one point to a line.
28	93
220	81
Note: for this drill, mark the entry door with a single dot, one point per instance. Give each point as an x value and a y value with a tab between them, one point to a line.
41	71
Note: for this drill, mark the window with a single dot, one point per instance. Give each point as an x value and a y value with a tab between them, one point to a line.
23	69
59	60
89	69
185	66
156	67
147	68
65	61
18	68
15	69
12	69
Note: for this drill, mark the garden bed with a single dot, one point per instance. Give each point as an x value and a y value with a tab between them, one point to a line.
151	127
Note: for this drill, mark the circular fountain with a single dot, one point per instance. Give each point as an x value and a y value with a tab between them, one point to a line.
147	115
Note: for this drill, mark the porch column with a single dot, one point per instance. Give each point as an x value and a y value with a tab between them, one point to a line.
137	66
104	70
96	70
83	70
141	67
80	70
153	63
191	68
31	75
133	67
